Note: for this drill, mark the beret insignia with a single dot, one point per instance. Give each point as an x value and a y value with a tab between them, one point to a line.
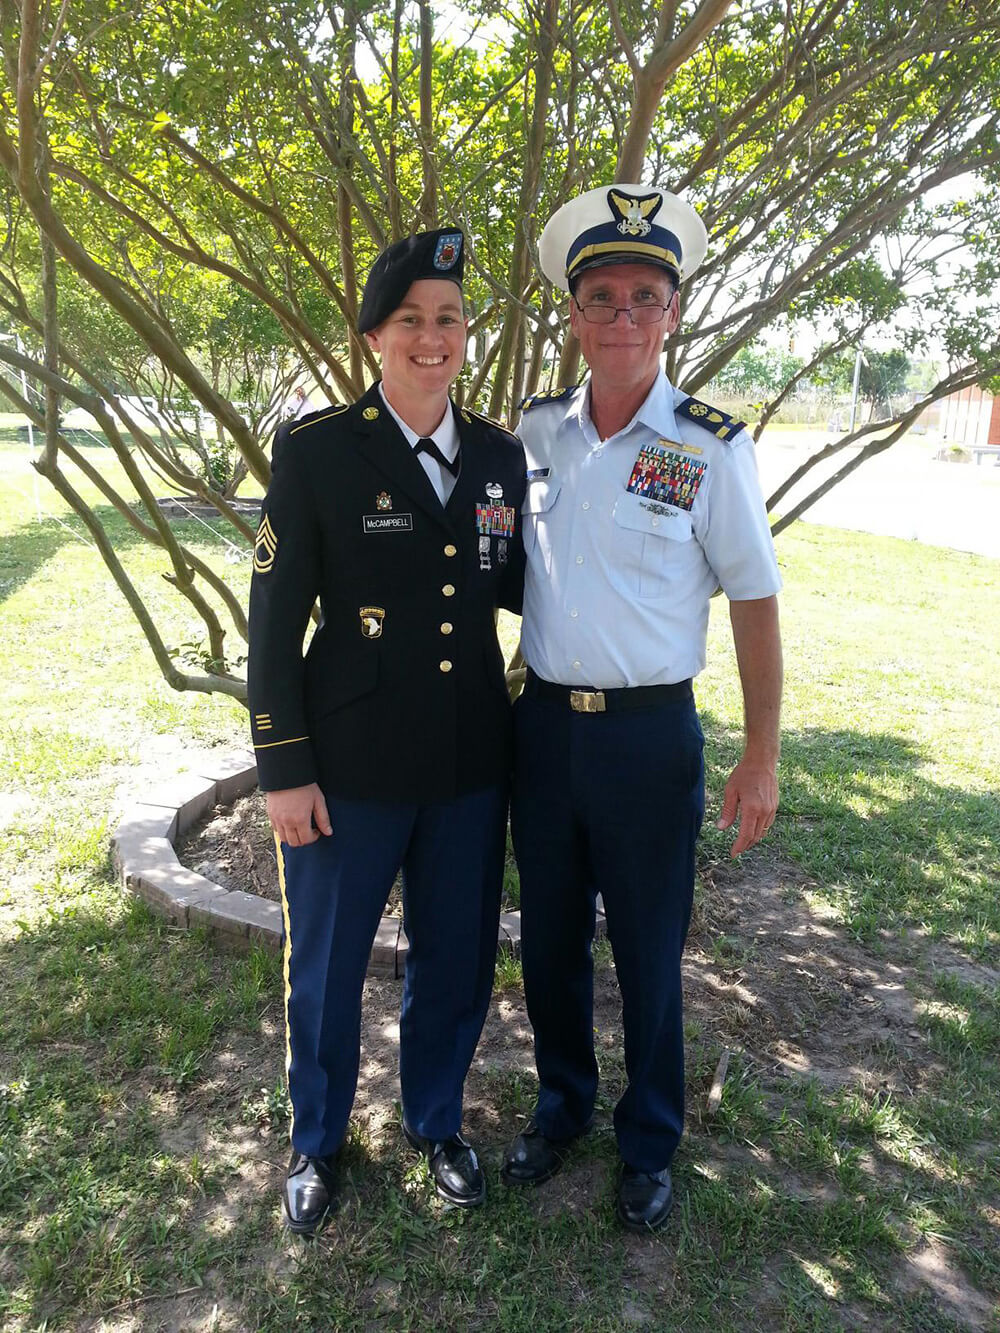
447	250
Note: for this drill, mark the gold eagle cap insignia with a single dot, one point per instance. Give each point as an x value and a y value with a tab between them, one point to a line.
634	212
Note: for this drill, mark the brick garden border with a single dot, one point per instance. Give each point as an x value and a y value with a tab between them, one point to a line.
142	849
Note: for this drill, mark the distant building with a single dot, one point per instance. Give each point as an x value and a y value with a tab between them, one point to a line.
971	417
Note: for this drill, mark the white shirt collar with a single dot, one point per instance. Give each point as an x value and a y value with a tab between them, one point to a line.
656	411
444	434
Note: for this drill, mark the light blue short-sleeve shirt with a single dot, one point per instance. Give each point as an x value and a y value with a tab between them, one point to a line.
628	538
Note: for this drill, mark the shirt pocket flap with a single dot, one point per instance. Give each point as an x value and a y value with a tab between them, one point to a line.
540	496
652	517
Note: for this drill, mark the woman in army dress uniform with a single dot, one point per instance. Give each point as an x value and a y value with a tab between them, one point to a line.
387	745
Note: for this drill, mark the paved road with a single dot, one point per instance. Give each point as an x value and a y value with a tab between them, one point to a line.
904	492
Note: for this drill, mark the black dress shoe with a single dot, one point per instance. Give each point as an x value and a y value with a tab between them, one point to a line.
645	1199
532	1158
308	1192
454	1168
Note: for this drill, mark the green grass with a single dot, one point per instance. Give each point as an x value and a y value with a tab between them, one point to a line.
142	1109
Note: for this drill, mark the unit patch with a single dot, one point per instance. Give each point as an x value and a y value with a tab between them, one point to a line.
383	501
666	476
493	520
387	523
265	547
371	621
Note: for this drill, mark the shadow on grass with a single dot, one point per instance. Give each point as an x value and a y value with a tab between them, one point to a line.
877	835
28	548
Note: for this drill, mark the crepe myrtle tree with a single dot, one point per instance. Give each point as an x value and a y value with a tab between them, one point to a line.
195	216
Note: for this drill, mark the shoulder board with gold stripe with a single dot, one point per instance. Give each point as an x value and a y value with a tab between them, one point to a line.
546	396
316	417
712	418
467	414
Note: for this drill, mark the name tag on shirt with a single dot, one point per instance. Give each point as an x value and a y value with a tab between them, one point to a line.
387	523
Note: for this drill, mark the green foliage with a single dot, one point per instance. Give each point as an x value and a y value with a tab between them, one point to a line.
882	377
233	191
757	372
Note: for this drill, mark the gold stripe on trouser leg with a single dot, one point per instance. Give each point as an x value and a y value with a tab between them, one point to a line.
288	981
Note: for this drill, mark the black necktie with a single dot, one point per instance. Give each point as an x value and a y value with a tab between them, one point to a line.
426	446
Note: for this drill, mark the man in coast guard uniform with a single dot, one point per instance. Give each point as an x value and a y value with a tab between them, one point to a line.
641	502
388	744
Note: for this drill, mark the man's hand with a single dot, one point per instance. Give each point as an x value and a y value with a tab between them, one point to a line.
293	811
752	794
752	790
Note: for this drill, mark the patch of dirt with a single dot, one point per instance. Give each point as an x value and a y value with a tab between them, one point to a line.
234	846
767	977
929	1269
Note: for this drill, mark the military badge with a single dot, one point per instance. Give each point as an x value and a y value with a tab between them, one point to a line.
501	551
466	417
493	520
371	621
447	250
665	476
484	553
383	501
634	213
494	490
675	444
370	414
265	547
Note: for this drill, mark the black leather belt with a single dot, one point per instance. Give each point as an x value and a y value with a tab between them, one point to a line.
605	701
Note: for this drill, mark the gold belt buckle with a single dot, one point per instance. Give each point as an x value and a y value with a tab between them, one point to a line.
587	701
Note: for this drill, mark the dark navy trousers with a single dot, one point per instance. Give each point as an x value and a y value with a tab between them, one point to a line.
333	894
608	803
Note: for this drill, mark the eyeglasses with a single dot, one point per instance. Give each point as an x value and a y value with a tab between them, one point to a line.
607	314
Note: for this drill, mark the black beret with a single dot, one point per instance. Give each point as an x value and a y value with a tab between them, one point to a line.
429	254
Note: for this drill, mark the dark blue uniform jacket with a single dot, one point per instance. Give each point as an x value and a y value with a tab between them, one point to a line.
401	694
